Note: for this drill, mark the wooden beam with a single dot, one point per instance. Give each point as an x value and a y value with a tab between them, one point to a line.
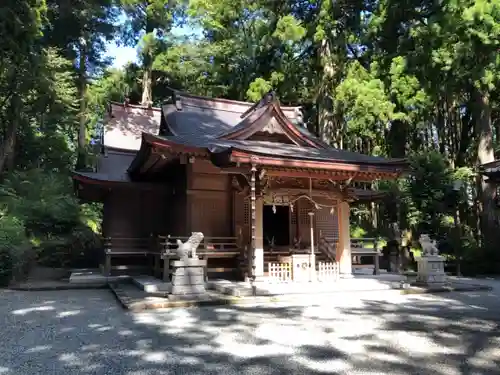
327	165
318	193
329	175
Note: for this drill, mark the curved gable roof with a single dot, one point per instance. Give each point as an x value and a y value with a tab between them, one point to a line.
198	117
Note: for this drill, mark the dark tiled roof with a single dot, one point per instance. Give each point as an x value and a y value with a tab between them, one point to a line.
105	177
198	121
124	128
281	150
111	167
201	122
190	115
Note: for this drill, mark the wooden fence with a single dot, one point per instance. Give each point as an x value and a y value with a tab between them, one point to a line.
280	272
328	271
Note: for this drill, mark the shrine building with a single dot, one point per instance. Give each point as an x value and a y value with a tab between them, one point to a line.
249	176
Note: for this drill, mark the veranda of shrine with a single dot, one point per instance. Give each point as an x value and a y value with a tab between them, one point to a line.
249	176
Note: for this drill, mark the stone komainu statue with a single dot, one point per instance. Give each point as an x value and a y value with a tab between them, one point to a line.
429	247
188	248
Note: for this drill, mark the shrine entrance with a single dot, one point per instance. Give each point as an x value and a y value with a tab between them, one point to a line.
276	225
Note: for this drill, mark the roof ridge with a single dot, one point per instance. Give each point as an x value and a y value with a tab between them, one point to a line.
220	100
137	106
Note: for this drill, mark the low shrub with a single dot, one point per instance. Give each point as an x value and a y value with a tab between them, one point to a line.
12	243
80	249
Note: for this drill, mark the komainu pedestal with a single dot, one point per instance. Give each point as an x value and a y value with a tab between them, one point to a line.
430	265
188	273
188	279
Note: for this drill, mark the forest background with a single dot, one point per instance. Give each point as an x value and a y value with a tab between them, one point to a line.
413	79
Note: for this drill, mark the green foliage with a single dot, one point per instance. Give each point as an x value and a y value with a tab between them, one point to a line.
357	232
44	201
364	102
39	211
13	242
289	29
427	185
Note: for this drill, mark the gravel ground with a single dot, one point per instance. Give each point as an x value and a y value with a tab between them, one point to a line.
85	332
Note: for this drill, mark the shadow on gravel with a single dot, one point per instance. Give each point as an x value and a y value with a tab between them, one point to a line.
85	332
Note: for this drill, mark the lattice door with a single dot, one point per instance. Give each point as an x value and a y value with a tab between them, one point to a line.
327	224
242	217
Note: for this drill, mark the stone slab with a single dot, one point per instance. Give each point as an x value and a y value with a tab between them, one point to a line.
189	297
188	279
188	289
151	284
132	298
190	262
93	277
87	278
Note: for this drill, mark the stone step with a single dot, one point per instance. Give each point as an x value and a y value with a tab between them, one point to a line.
152	284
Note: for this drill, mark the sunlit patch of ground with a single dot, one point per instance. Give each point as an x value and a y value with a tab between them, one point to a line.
85	332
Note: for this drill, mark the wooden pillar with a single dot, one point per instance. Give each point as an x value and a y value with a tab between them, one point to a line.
259	237
312	258
253	224
344	249
256	214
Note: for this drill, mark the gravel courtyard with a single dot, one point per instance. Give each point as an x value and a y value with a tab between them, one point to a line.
86	332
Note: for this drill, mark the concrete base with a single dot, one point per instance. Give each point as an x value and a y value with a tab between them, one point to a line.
151	284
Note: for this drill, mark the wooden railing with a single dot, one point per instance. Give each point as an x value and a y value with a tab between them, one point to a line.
210	246
328	247
129	246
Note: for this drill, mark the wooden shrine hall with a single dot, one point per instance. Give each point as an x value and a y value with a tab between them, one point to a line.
249	176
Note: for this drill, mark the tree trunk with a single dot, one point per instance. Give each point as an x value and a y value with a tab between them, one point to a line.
327	129
7	157
147	83
485	154
397	139
147	66
81	161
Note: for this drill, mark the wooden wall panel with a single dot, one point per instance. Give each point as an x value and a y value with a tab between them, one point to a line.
177	214
123	213
154	212
205	181
135	213
204	166
210	213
